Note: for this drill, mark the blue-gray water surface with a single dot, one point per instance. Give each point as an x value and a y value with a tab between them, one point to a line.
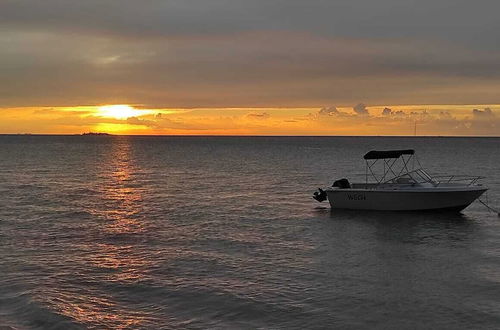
221	232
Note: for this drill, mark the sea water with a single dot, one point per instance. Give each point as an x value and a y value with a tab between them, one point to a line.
222	232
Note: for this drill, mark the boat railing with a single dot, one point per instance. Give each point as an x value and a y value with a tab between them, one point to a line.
470	179
418	175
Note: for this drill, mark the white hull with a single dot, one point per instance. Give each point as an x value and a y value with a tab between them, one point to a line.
405	198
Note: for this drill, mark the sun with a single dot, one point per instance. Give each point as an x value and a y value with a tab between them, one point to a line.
120	111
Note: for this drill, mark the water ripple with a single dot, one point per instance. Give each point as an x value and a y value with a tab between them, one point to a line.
197	233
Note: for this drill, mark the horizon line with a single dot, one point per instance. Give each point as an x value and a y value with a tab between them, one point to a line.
256	135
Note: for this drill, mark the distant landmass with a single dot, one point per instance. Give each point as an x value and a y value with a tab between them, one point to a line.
96	134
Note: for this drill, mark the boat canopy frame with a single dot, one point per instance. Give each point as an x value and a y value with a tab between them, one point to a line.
389	159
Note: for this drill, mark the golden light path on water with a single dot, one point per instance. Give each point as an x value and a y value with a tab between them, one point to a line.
115	263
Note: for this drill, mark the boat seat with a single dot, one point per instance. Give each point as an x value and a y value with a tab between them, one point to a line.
342	184
405	180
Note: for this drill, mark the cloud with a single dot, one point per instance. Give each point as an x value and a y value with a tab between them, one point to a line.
142	122
435	120
484	122
355	19
445	115
58	112
328	111
360	109
258	63
46	111
134	53
262	115
442	122
483	114
238	53
390	112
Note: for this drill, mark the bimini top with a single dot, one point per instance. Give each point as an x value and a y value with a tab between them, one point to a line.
374	154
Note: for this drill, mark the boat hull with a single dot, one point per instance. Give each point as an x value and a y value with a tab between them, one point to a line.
404	200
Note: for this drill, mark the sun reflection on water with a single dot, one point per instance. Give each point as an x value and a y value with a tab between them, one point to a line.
121	192
111	257
88	308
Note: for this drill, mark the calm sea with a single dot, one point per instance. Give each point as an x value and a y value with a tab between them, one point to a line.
222	232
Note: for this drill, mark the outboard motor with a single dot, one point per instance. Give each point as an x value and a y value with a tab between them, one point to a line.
342	184
320	195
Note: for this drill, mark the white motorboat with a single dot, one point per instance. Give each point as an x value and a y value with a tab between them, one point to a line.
403	185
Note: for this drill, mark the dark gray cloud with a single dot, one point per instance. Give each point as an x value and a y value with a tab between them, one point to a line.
360	109
446	19
386	112
193	53
390	112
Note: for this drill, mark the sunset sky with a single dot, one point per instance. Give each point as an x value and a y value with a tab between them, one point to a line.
274	67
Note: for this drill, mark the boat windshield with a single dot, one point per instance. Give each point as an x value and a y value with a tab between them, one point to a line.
412	177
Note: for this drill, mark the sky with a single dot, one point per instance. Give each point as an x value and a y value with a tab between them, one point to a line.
274	67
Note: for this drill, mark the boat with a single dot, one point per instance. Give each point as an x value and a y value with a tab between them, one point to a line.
95	134
402	185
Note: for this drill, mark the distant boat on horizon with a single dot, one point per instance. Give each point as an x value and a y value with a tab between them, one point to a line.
95	134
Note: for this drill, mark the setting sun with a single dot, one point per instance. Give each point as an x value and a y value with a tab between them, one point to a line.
120	111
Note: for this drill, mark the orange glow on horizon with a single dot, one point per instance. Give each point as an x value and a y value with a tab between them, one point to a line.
446	120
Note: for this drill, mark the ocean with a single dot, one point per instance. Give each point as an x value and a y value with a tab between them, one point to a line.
124	232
